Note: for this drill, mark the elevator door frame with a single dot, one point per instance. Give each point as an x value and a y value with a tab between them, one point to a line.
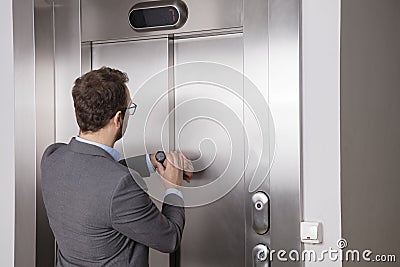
271	43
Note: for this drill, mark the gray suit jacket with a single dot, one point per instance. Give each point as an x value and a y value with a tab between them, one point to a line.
99	214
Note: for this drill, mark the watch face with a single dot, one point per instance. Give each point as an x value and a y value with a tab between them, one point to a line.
160	156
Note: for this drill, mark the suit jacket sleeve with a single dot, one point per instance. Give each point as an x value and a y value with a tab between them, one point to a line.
134	215
138	164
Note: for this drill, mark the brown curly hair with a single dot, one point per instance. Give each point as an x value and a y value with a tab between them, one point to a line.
98	95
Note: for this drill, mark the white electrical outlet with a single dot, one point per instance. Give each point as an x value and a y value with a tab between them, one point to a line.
311	232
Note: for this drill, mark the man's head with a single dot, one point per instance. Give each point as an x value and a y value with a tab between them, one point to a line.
101	98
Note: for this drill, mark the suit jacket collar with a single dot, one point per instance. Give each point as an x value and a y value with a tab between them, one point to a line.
84	148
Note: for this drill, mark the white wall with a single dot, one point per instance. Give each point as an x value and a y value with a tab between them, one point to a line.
321	121
7	150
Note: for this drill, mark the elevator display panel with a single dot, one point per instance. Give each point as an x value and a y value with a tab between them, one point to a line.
158	15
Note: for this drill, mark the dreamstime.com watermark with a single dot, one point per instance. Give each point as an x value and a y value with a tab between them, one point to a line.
341	253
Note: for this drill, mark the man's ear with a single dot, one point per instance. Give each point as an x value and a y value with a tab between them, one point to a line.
117	119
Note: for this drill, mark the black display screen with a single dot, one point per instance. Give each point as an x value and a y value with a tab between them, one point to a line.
154	17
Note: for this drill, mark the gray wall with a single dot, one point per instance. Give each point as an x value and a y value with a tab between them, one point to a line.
7	150
370	126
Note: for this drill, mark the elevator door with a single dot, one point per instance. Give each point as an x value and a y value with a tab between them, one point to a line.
207	105
209	113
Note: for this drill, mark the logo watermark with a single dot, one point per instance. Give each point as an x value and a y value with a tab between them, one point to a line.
340	253
215	116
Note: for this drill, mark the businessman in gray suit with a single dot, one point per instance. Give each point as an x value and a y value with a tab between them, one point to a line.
98	211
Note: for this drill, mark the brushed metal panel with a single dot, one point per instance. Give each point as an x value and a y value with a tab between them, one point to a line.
284	99
203	15
45	123
272	57
209	128
86	57
256	94
67	65
146	64
25	133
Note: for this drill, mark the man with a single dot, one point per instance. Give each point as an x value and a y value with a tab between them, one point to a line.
99	214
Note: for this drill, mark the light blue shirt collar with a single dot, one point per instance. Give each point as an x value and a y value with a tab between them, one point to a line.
114	153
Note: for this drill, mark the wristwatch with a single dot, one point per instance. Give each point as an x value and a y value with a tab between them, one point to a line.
160	157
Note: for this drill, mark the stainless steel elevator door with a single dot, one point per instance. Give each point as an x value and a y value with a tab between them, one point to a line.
145	62
208	127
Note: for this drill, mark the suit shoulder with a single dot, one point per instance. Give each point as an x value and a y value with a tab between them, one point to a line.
51	149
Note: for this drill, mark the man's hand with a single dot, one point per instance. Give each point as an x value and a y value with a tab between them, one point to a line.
171	171
183	163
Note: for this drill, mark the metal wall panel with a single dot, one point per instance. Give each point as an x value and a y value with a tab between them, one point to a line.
146	64
271	54
209	128
203	15
256	95
284	98
86	57
45	122
67	59
25	134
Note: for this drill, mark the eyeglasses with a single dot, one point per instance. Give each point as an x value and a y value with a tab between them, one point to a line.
131	108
